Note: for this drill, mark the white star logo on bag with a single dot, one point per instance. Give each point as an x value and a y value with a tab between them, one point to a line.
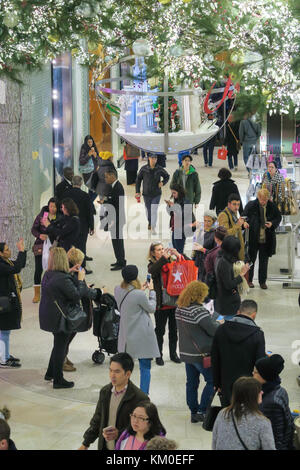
177	276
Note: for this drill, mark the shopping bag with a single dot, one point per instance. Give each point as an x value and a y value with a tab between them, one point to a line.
222	154
211	415
46	247
180	274
296	148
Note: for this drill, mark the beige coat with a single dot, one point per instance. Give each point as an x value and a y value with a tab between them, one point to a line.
225	219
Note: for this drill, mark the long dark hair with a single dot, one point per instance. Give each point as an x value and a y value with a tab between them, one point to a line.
2	246
180	190
244	399
156	428
70	206
231	247
87	147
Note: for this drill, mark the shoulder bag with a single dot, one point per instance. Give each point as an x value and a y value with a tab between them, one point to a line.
72	319
238	143
5	304
237	432
211	415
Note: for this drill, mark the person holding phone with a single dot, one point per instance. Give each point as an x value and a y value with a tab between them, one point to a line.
136	333
263	217
116	401
48	213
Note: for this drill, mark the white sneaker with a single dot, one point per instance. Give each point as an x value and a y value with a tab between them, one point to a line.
153	231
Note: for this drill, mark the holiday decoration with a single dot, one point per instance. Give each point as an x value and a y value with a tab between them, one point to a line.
141	47
11	19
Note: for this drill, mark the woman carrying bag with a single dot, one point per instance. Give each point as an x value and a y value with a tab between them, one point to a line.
136	333
60	294
242	426
10	298
196	330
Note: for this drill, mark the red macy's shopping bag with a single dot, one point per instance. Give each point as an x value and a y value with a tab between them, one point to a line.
180	274
222	154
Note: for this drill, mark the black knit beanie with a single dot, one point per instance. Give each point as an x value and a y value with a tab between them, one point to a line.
130	272
270	367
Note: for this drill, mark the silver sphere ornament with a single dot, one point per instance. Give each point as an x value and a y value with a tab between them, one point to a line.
176	51
141	47
84	9
11	19
208	57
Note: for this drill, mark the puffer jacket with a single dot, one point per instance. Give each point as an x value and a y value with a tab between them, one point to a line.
275	406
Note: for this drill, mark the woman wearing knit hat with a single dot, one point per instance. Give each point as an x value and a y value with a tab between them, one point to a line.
275	400
136	333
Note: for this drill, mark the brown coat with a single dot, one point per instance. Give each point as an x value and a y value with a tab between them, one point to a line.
225	219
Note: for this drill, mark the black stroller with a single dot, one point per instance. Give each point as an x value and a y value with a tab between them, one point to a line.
106	321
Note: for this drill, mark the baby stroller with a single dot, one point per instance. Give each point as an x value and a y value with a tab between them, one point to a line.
106	319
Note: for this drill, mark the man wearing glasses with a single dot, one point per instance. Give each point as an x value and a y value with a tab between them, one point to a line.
116	401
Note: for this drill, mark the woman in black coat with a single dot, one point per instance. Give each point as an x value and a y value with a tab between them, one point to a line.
10	286
182	220
89	161
60	292
228	298
222	190
65	230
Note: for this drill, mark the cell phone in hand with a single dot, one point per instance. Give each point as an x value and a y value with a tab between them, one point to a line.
80	268
148	280
108	429
45	215
250	264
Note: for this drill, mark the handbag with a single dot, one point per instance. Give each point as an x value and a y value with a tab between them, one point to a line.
237	432
5	304
296	148
211	415
222	154
238	143
294	209
45	254
72	320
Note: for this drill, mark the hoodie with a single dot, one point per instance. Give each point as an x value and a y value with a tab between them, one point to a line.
237	345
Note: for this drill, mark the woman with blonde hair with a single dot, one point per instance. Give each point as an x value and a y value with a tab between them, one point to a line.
60	291
136	333
242	426
196	330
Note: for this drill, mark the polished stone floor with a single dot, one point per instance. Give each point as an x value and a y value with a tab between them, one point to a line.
43	418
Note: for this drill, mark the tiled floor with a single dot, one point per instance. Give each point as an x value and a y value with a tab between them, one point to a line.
43	418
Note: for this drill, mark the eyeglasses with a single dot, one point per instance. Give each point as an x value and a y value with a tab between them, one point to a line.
138	418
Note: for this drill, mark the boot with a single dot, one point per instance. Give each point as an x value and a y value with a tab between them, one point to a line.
68	367
37	294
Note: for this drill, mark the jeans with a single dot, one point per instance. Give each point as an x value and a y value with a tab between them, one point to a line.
209	146
231	155
151	204
178	243
193	372
145	375
4	346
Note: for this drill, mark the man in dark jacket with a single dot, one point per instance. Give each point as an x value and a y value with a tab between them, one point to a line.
65	185
237	345
275	400
154	177
86	213
222	189
116	401
263	218
116	217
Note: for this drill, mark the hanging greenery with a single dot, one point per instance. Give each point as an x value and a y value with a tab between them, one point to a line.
256	42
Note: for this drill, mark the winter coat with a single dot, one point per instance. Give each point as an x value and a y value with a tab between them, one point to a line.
151	177
102	187
132	397
181	216
60	190
155	268
199	257
220	193
237	345
249	131
60	287
273	215
11	320
86	208
85	158
228	298
192	186
65	230
136	333
254	429
225	219
196	330
210	260
39	229
229	140
275	406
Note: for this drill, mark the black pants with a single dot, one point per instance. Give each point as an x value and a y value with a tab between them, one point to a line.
58	354
118	246
161	318
263	260
71	337
81	244
38	270
131	176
